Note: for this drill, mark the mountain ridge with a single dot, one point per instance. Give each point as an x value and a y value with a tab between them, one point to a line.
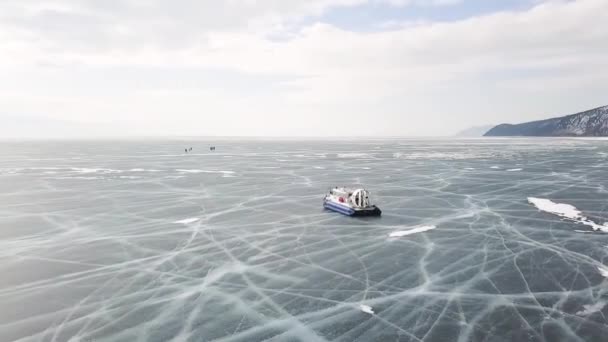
589	123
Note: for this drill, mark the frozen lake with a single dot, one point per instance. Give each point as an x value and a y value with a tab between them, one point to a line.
480	240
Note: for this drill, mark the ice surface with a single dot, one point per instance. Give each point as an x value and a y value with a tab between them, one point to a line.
89	256
411	231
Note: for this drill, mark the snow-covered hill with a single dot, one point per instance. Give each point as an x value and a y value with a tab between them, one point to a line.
591	123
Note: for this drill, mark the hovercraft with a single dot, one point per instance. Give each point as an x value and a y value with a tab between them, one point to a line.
350	202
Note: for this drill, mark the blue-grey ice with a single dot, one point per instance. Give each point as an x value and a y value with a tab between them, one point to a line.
136	241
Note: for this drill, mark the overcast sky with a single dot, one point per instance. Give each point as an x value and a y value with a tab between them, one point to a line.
295	67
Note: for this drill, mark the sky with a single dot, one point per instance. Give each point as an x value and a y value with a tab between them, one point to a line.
88	68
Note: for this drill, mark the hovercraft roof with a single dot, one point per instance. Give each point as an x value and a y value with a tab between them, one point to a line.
344	190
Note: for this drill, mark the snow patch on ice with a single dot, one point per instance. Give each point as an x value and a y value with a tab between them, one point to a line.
566	211
411	231
81	177
560	209
204	171
188	220
603	271
592	308
435	155
93	170
366	308
319	167
513	170
353	155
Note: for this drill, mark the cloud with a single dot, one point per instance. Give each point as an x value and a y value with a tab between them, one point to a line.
199	33
422	2
418	78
